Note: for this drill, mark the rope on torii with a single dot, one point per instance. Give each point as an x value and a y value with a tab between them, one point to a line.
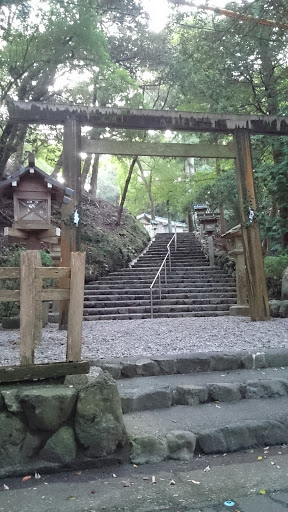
232	14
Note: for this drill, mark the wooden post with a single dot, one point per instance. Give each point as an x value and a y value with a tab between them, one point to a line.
256	282
37	290
29	321
75	316
70	232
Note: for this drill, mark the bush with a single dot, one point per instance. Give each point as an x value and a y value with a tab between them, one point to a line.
274	267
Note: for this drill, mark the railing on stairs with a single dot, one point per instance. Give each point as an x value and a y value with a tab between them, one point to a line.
163	265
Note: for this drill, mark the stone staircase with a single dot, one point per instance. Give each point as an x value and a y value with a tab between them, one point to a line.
193	288
225	401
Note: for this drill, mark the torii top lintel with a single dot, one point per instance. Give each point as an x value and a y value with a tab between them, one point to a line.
137	119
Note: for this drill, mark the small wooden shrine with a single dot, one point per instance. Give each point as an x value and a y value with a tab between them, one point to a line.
33	192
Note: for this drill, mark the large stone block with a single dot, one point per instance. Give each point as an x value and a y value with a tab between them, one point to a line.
11	399
225	392
283	310
61	447
99	422
148	450
193	363
146	367
12	434
223	362
284	289
238	437
190	395
32	444
181	445
266	389
152	398
48	407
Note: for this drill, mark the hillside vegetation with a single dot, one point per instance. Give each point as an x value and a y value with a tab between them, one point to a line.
108	247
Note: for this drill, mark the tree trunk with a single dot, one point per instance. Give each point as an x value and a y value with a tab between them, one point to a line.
124	193
7	144
148	186
20	147
169	217
94	177
85	170
190	222
58	166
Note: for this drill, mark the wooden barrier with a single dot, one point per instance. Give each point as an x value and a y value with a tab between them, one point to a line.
31	295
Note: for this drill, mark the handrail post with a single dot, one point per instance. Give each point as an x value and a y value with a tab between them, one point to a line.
169	259
165	273
151	301
175	240
160	285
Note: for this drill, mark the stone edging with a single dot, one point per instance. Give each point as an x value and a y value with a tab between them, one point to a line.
192	363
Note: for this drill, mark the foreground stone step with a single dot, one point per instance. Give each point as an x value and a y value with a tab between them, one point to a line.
158	392
216	428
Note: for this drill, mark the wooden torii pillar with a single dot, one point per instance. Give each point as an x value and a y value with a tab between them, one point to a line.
70	213
256	281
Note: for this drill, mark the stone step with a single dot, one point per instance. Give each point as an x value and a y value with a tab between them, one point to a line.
124	302
170	276
143	316
165	292
158	309
189	263
145	283
172	297
207	283
217	429
177	271
163	391
224	402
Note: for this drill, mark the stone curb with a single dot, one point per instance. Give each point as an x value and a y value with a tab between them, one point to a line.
178	446
192	363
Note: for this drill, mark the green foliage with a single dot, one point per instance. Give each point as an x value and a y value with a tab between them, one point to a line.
274	267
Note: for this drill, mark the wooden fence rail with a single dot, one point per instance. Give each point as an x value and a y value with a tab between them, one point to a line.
31	294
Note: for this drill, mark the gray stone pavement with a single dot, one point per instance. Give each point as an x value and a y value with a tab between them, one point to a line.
178	487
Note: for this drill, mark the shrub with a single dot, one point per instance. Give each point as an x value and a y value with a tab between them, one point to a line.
274	267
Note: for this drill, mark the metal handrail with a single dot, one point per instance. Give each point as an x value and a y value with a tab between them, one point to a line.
158	275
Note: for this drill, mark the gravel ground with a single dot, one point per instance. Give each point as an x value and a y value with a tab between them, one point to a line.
118	338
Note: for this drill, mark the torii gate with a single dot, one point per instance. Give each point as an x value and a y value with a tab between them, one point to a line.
241	126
